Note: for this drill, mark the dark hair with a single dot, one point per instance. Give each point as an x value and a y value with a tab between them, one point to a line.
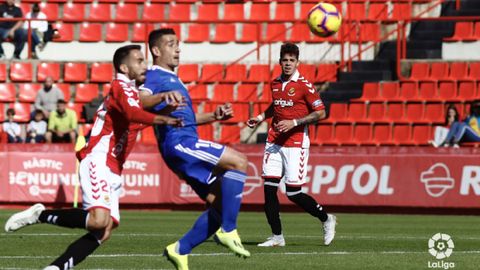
37	112
457	116
475	108
61	101
11	111
35	7
156	35
289	48
122	53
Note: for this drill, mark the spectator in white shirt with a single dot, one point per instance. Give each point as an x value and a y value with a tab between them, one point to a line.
38	27
37	128
12	129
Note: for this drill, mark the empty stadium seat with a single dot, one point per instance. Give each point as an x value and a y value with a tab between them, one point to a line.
284	11
198	92
258	73
266	94
357	112
409	91
179	12
21	71
141	31
447	91
378	11
153	12
7	93
337	112
300	33
355	11
75	72
474	71
308	71
205	132
361	134
100	11
50	9
250	33
106	89
458	71
27	92
343	133
421	135
117	32
86	92
65	32
212	73
467	91
376	112
22	111
235	73
222	93
101	72
275	32
65	88
369	32
208	12
224	33
276	72
2	118
326	73
188	72
414	112
395	112
198	33
434	113
401	134
247	92
233	12
390	91
324	134
77	108
3	72
229	134
90	32
381	134
371	91
463	32
47	69
439	71
260	12
126	12
74	11
241	113
401	11
420	71
428	91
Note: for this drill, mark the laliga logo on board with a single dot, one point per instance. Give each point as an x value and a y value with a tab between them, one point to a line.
441	247
437	180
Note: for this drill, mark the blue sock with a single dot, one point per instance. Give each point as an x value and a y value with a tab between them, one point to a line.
205	226
232	188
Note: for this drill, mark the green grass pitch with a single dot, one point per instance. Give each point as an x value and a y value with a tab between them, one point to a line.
362	242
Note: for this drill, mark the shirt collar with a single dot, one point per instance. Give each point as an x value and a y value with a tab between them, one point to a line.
163	69
294	77
124	78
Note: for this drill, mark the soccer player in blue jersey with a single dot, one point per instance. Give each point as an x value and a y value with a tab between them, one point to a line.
217	173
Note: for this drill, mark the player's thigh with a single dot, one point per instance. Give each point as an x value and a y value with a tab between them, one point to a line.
272	166
233	160
295	163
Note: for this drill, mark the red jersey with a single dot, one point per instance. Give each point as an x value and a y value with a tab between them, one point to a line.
293	99
117	123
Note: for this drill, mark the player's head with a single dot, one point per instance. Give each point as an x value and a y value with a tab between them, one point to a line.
289	53
164	47
129	60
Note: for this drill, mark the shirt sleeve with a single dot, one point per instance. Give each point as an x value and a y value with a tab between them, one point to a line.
128	102
18	13
51	121
312	98
153	85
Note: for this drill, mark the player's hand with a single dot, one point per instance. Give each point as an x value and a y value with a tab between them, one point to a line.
252	122
11	34
167	120
223	112
284	126
173	97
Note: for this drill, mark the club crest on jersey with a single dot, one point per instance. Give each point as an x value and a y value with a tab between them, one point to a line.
291	92
283	103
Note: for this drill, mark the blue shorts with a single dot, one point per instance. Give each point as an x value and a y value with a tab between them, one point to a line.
193	159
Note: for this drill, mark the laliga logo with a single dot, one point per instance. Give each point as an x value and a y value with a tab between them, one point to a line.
437	180
440	246
253	179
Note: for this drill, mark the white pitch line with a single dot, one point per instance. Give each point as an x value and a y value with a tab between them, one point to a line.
256	253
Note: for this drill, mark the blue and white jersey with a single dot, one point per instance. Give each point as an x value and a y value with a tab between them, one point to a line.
160	80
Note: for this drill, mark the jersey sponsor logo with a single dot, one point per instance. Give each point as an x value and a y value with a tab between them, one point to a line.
317	103
283	103
291	92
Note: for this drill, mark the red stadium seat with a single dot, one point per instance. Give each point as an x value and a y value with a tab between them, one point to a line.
100	12
77	108
260	12
428	91
3	72
106	89
376	112
235	73
126	12
179	12
22	111
208	12
27	92
395	112
276	72
439	71
65	32
338	112
357	112
420	71
90	32
21	71
233	12
117	32
361	134
86	92
153	12
75	72
284	12
7	93
148	136
198	92
421	135
212	73
50	9
101	72
188	72
247	92
371	92
381	134
408	91
205	132
476	31
390	91
275	32
369	32
458	71
241	113
463	32
307	71
343	133
401	11
326	73
300	33
434	113
198	33
474	71
229	134
378	11
141	31
2	118
222	93
266	95
324	134
401	134
466	91
250	33
224	33
47	69
355	11
258	73
414	112
65	87
447	91
74	11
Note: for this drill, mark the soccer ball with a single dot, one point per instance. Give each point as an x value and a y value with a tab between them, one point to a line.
324	19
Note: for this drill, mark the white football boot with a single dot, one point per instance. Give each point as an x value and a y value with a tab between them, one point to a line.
329	229
24	218
273	241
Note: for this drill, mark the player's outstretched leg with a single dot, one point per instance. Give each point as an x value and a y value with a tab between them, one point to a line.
272	212
309	204
24	218
173	255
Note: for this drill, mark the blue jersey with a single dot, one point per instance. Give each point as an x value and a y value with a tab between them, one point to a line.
160	80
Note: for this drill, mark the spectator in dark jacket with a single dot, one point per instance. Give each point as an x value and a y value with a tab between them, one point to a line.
12	29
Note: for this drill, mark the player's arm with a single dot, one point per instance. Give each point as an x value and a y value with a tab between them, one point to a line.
222	112
172	98
268	113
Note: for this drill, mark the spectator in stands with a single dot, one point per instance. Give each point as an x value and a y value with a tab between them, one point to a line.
466	131
48	97
440	133
62	124
38	28
12	128
37	128
12	29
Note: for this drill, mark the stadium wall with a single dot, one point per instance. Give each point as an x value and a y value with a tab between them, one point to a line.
347	176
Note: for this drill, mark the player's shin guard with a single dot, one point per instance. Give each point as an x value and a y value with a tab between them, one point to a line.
306	202
71	218
232	188
272	206
205	226
77	252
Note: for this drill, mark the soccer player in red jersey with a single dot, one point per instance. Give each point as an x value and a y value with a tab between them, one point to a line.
295	104
117	123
